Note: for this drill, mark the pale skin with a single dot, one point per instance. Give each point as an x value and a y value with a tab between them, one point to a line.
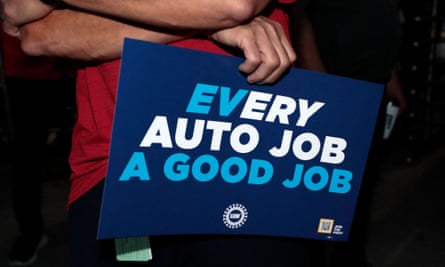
74	34
169	14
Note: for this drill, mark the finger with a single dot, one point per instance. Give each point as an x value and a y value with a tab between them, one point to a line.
252	54
10	29
287	45
275	57
269	58
282	51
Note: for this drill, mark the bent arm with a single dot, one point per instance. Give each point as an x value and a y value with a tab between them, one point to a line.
178	14
84	36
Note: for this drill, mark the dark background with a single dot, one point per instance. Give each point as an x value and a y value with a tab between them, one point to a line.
406	226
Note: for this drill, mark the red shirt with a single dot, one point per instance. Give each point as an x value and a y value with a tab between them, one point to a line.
96	95
17	64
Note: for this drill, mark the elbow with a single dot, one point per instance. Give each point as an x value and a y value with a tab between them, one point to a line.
32	48
241	11
31	43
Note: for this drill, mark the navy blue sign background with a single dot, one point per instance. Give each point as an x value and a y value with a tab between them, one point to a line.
159	80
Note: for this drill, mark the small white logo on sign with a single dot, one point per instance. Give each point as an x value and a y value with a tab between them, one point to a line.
338	230
235	216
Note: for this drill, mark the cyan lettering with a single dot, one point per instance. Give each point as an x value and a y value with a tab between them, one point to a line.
201	98
136	168
340	181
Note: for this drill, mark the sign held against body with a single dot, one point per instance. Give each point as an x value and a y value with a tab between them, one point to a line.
206	147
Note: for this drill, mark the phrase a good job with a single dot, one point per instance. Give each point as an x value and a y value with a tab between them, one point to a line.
186	133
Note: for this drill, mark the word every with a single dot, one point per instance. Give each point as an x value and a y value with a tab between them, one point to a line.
258	105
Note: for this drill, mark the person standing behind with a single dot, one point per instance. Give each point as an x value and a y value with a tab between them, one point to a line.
255	29
358	39
38	88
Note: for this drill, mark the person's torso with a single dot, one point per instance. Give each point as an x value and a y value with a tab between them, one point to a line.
95	96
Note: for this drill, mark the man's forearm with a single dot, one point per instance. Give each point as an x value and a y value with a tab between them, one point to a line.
78	35
178	14
84	36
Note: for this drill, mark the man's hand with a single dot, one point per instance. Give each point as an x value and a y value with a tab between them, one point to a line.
268	53
11	29
19	12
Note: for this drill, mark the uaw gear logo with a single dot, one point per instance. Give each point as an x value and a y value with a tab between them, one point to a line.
235	216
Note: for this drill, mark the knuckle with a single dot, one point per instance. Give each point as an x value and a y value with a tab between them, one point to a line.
273	62
255	60
293	57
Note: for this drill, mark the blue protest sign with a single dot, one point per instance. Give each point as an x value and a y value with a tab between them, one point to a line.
197	150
